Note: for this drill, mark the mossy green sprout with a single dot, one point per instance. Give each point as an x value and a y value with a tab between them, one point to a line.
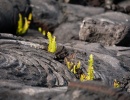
90	71
116	84
52	46
76	67
73	67
83	77
69	64
23	26
42	31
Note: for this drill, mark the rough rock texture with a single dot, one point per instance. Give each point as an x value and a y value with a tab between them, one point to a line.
106	29
73	15
46	13
91	91
67	31
115	17
11	90
85	2
125	3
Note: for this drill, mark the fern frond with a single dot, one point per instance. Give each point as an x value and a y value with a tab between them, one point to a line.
83	77
30	17
49	35
25	27
78	65
20	24
90	71
21	29
42	31
39	29
52	46
116	84
74	69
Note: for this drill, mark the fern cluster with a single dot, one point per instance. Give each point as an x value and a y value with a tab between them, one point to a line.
23	24
74	67
90	70
52	45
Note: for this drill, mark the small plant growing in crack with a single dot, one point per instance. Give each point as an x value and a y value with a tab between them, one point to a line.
52	45
90	70
42	31
116	84
76	69
23	26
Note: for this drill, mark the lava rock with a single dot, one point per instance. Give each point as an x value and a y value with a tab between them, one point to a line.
106	29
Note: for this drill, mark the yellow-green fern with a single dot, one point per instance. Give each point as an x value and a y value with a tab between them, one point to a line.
42	31
39	29
22	28
83	77
78	65
116	84
52	47
90	71
30	17
73	70
69	65
20	24
25	27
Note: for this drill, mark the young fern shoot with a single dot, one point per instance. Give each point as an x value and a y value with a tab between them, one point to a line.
52	47
90	70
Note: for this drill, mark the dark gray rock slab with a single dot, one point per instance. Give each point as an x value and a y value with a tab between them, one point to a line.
67	31
124	3
47	12
91	91
115	17
10	90
77	12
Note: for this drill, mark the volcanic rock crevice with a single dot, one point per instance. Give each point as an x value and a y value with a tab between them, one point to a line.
29	72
